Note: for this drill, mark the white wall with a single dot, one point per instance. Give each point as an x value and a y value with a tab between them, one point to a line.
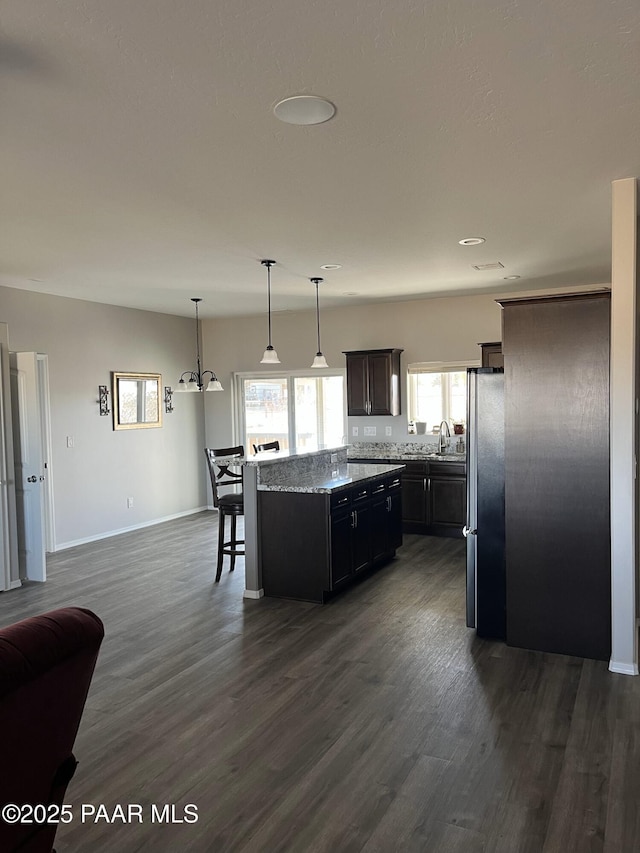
162	469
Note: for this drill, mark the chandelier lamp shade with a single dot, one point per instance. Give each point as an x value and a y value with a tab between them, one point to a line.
196	379
319	360
270	355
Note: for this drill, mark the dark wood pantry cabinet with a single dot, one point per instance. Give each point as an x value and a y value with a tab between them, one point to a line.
373	382
557	525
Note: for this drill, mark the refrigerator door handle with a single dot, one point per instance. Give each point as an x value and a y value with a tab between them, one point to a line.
467	531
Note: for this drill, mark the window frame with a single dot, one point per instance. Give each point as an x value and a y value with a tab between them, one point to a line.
238	380
430	367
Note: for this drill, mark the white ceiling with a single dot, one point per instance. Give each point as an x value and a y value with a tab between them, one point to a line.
142	164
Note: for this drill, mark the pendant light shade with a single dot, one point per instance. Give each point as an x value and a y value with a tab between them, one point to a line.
196	378
270	355
319	360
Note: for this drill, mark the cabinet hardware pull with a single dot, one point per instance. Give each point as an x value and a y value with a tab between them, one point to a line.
424	484
353	519
429	484
355	513
388	504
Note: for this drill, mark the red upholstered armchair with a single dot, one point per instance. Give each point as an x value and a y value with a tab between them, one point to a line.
46	665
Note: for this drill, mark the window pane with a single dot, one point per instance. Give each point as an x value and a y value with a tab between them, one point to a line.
438	396
266	412
428	399
458	397
319	412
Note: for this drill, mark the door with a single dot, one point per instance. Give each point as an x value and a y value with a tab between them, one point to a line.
357	384
29	465
486	579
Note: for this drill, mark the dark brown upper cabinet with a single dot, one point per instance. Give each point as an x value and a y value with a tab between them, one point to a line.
492	354
373	382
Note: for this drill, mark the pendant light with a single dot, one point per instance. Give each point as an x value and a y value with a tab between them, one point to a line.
270	355
319	360
197	377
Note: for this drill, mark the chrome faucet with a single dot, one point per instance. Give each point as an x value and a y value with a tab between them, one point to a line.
444	439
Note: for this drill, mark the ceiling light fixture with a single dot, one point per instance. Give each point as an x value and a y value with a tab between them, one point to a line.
331	267
304	109
511	277
196	377
319	360
471	241
270	355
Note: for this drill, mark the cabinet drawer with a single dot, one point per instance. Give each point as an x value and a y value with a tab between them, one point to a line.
447	469
340	499
415	469
360	494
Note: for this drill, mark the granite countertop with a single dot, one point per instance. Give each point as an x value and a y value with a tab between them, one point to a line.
403	452
323	483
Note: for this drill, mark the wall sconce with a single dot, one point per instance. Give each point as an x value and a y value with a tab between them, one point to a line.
103	400
168	397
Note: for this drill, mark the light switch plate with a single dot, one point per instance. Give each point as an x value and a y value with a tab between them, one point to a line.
388	431
369	430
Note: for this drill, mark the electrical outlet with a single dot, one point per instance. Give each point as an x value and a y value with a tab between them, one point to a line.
354	430
388	431
334	458
369	430
69	441
129	503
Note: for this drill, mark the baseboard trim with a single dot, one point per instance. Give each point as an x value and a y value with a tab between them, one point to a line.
623	668
253	593
107	534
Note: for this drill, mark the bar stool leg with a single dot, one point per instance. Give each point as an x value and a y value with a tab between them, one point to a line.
233	543
221	518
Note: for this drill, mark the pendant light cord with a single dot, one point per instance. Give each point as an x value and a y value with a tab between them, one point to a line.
269	299
318	315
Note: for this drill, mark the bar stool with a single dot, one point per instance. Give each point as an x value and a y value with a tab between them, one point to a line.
219	461
269	445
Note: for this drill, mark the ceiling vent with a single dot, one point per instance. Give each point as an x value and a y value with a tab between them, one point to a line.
494	266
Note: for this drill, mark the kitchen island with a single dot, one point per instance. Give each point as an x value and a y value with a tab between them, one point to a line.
314	522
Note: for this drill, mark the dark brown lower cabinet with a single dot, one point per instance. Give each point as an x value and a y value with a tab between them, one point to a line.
314	545
447	495
434	497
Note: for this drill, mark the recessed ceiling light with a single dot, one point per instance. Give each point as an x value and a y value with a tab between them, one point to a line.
471	241
304	109
511	277
350	293
331	267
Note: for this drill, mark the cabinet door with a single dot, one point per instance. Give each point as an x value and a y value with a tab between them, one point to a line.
414	499
380	378
492	355
341	564
361	537
448	501
379	524
394	510
357	384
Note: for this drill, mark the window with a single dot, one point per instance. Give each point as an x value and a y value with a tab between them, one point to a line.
437	393
300	411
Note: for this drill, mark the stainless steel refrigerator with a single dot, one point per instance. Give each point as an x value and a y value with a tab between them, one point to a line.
484	531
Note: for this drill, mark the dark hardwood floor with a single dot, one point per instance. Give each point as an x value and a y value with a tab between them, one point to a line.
375	723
